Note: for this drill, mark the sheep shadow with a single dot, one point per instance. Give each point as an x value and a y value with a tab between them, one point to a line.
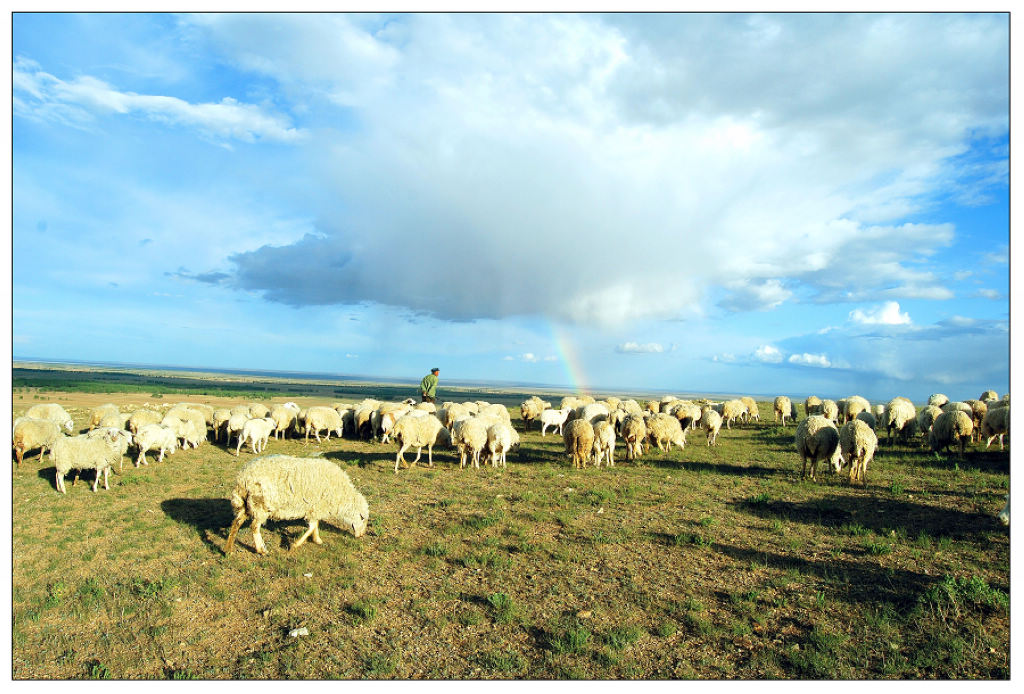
736	469
876	514
87	476
209	517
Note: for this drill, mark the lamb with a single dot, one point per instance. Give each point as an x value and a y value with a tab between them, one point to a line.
817	438
97	413
812	405
257	432
604	443
500	439
732	410
553	418
830	410
996	423
418	432
901	418
282	487
30	433
83	453
950	427
55	413
634	432
781	407
579	440
469	435
711	422
858	443
664	430
320	417
153	437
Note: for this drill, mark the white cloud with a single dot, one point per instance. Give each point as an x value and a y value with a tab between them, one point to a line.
638	348
755	295
961	275
805	359
988	294
886	314
768	354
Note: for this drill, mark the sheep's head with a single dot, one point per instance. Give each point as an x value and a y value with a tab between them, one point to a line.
69	425
837	460
355	514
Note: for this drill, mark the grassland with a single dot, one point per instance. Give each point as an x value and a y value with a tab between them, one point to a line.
702	563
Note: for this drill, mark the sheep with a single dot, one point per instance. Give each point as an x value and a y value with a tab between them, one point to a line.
234	425
83	453
604	443
631	407
497	411
978	411
855	404
120	439
30	433
257	432
283	487
664	430
937	399
858	443
781	408
418	432
926	418
794	415
879	412
812	405
553	418
97	413
634	432
1004	515
320	417
189	414
55	413
732	410
240	409
113	420
141	418
385	421
207	410
996	423
579	441
184	429
284	419
469	435
901	418
530	410
257	410
830	410
711	422
988	396
867	418
501	437
817	438
752	412
688	413
153	437
949	427
961	406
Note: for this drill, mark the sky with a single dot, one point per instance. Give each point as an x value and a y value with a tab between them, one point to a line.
694	203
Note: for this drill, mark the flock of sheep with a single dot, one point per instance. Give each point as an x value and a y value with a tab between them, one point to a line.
282	487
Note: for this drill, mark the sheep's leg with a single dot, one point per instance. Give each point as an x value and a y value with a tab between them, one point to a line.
400	457
74	480
430	456
302	539
316	533
95	482
257	521
803	472
19	452
105	485
419	452
60	483
233	532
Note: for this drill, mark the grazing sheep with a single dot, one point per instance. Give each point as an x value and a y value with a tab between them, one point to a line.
996	423
282	487
530	410
284	419
830	410
113	420
817	438
901	418
752	412
604	443
978	411
937	399
855	404
320	417
950	427
141	418
688	413
257	432
793	413
868	419
385	421
83	453
879	412
190	414
579	441
469	436
234	425
97	414
960	406
593	412
417	432
812	405
257	410
553	418
55	413
988	396
501	437
634	432
858	443
118	438
711	422
782	407
664	430
926	418
30	433
731	411
153	437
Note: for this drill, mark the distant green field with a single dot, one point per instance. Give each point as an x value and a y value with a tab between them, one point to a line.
700	563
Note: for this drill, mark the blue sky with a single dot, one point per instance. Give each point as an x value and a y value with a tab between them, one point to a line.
753	203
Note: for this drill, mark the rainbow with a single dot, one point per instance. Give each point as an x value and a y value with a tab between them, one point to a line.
570	359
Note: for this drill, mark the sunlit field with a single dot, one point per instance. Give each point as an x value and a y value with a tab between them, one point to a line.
701	563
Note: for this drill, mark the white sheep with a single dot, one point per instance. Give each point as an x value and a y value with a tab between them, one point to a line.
153	437
469	435
996	423
321	417
664	430
30	433
257	432
989	396
97	413
858	443
781	407
711	423
604	443
233	427
578	436
55	413
140	418
830	410
530	410
282	487
553	418
950	427
812	405
900	418
634	433
817	438
733	410
501	437
855	404
417	432
284	419
118	438
937	399
83	453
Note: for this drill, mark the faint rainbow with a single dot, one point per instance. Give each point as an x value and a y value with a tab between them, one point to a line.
568	356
